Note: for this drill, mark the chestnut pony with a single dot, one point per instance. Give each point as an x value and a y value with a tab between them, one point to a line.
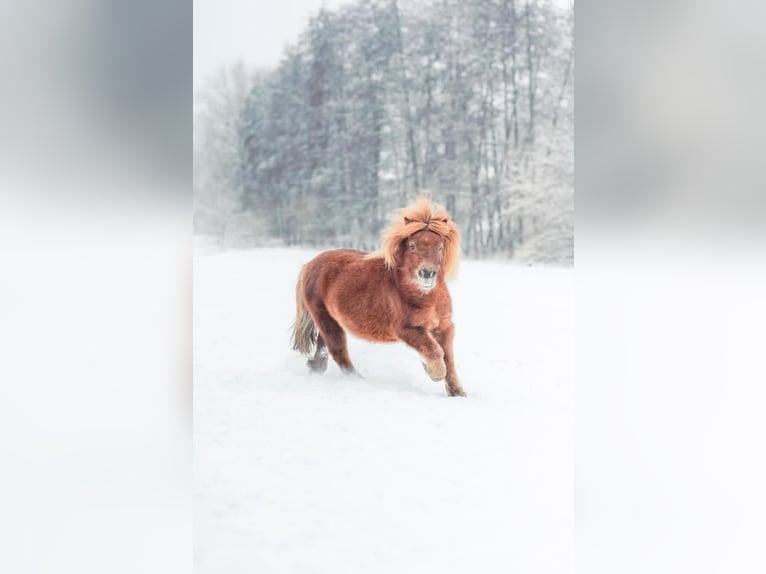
395	294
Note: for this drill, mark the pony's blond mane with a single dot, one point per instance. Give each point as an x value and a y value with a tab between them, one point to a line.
418	216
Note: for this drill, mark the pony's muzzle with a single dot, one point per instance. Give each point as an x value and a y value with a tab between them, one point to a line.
427	273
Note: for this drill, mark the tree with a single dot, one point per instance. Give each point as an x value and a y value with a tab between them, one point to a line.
471	100
218	149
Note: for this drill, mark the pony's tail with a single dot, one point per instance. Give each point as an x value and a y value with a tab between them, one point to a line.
304	331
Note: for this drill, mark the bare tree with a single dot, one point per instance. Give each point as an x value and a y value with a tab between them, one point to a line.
218	150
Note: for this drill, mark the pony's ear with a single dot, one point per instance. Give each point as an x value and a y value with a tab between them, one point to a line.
407	220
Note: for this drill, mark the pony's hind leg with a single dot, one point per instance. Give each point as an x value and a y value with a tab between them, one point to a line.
335	338
318	363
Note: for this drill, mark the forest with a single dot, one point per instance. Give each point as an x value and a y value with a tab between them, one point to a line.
470	101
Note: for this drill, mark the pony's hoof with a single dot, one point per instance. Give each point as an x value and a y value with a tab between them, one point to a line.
458	392
352	372
437	370
317	366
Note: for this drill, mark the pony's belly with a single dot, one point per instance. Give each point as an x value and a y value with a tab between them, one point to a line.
367	326
369	332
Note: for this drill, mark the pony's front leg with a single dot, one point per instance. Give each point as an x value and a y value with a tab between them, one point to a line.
433	355
444	335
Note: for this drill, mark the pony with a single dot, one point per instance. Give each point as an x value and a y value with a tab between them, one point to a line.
398	293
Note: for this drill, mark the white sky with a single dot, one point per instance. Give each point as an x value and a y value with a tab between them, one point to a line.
253	31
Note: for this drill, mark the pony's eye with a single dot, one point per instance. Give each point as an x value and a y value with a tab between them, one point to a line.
441	247
412	247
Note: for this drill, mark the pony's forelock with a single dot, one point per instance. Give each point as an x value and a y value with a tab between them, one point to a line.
421	215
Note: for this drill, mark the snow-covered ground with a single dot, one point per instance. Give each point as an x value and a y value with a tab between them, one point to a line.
325	474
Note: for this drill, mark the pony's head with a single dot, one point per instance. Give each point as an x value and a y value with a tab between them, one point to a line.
421	242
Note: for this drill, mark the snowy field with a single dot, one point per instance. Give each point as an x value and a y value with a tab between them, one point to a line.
325	474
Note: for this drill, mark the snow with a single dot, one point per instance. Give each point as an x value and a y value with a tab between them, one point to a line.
323	473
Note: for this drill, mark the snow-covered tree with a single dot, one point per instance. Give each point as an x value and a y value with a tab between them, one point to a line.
471	100
218	149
